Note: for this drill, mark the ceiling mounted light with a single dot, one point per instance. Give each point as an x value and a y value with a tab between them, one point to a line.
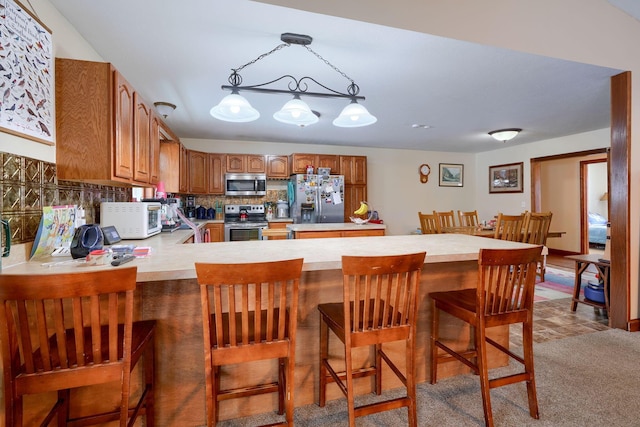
296	111
164	108
505	135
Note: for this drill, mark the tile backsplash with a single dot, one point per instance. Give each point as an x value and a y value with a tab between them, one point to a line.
27	185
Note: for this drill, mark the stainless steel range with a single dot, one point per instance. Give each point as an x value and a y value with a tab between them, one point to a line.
244	222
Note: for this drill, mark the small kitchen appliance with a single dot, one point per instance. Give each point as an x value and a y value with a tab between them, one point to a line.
316	198
133	220
282	209
190	207
244	222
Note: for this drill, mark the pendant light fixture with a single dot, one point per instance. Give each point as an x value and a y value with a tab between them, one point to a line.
296	112
505	135
236	108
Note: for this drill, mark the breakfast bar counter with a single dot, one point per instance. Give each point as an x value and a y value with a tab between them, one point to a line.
168	292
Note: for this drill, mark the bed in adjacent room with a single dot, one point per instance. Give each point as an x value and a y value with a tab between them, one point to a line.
597	229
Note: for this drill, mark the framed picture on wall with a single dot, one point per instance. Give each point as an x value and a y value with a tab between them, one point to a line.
451	175
27	74
506	178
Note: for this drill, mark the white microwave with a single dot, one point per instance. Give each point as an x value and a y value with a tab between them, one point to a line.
132	220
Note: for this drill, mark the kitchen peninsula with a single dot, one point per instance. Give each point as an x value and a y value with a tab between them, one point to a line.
169	293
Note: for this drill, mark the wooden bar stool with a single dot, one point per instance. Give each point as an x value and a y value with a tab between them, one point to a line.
69	330
379	306
506	280
249	313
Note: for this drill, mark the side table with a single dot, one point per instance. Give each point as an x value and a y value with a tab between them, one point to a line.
582	262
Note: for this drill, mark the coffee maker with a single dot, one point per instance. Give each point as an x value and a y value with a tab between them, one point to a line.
190	207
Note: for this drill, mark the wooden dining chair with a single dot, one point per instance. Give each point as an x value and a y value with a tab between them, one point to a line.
536	231
67	330
445	219
468	219
504	296
510	227
249	313
379	306
429	223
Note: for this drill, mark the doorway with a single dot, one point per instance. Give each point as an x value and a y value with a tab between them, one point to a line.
594	203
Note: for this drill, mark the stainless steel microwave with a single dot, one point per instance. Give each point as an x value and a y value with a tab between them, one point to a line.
245	184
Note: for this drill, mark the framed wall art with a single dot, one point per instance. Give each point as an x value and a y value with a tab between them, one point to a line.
26	74
451	175
506	178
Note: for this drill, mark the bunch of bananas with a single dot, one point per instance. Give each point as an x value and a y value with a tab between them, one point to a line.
362	210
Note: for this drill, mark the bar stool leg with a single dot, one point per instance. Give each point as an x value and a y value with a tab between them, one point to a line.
324	354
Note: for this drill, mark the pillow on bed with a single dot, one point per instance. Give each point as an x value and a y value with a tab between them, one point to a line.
596	218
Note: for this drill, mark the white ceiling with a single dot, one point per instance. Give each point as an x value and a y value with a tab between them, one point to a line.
183	52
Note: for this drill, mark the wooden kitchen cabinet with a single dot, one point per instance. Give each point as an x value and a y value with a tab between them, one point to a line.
277	167
154	149
216	173
216	231
98	125
142	140
336	233
299	162
170	166
354	169
184	169
353	195
198	172
245	163
279	226
171	160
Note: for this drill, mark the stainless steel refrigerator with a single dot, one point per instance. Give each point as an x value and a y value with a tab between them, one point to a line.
316	198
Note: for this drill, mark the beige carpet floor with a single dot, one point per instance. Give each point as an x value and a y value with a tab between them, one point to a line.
591	379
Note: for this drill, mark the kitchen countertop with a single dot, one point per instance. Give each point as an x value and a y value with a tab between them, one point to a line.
280	220
172	260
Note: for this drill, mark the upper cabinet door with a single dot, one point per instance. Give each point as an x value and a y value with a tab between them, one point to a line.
124	132
255	163
154	149
142	144
236	163
277	167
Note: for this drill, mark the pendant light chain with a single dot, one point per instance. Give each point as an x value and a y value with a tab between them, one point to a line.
329	64
264	55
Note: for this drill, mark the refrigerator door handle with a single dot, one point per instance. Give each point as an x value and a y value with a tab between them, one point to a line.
318	205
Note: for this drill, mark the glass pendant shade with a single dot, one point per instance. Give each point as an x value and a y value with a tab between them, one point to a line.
354	115
234	108
296	112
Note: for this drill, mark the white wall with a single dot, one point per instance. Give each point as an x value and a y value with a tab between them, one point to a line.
596	189
66	43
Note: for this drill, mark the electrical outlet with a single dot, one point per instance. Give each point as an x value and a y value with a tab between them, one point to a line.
523	204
